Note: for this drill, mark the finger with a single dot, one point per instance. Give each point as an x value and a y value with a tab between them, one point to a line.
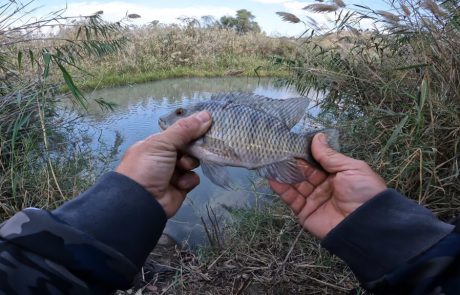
289	195
187	163
173	201
311	174
316	199
305	188
331	160
278	187
185	181
187	129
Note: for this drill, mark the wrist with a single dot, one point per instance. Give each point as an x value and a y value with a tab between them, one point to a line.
114	205
384	233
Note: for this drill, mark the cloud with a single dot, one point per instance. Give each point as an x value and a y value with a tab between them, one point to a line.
271	1
116	10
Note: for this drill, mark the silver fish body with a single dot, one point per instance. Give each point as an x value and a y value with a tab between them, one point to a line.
254	132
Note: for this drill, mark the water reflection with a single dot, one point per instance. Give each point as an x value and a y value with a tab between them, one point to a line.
136	116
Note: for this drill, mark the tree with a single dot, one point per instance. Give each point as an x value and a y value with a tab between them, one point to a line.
208	21
242	23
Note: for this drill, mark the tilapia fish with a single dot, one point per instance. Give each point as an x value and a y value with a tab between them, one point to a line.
254	132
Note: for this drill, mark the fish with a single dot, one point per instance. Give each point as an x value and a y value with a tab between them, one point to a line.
254	132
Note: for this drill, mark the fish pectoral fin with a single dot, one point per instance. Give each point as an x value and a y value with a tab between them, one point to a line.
285	171
217	174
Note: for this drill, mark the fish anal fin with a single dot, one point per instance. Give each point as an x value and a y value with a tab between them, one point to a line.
217	174
285	171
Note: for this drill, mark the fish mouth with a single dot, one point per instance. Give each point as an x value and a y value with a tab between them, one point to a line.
162	124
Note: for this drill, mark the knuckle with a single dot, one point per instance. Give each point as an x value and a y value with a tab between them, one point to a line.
187	123
163	143
160	142
330	152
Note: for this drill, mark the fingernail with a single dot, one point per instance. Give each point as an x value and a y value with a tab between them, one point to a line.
203	116
322	138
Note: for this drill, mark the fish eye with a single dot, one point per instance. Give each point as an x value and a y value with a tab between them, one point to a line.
179	111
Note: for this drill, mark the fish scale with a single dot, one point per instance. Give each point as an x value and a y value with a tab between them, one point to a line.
254	132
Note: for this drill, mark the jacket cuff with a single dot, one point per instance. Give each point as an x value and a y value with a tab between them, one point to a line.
118	212
383	234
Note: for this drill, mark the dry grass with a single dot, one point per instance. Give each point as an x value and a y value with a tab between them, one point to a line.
265	252
395	93
172	51
43	160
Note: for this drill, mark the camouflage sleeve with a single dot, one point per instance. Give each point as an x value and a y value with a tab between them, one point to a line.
395	246
436	271
57	252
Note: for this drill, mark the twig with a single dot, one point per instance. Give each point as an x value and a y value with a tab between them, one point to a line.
214	262
292	247
327	284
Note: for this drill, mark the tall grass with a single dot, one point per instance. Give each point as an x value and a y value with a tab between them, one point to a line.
393	81
264	251
159	51
42	159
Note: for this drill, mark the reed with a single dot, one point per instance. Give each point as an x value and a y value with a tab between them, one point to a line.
42	159
158	51
394	87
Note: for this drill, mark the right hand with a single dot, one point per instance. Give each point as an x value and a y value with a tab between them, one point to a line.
158	164
324	199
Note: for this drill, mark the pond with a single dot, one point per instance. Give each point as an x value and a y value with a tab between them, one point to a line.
135	117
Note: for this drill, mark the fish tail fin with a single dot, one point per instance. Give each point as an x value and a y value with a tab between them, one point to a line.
287	171
332	136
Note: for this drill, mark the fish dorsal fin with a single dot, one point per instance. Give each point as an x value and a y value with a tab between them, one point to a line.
284	171
216	173
289	111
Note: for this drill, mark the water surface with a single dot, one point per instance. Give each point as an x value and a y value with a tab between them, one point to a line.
136	116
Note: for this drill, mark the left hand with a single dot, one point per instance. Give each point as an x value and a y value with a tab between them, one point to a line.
327	197
157	164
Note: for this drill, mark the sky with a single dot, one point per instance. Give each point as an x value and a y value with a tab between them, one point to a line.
168	11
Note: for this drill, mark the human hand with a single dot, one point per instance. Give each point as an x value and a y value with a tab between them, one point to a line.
325	198
157	164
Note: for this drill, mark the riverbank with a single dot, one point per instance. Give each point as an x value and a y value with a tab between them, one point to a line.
263	251
157	52
99	81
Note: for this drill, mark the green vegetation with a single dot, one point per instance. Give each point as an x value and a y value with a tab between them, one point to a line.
394	87
42	159
242	23
158	51
264	251
392	80
394	91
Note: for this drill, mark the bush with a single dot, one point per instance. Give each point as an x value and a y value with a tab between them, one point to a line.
42	159
395	90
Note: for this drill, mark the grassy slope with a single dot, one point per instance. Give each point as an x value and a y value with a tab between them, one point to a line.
264	251
155	53
115	79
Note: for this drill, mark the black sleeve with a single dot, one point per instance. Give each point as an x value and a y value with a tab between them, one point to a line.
392	244
93	244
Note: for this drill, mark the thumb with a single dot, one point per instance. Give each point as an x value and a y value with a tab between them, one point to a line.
331	160
188	129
